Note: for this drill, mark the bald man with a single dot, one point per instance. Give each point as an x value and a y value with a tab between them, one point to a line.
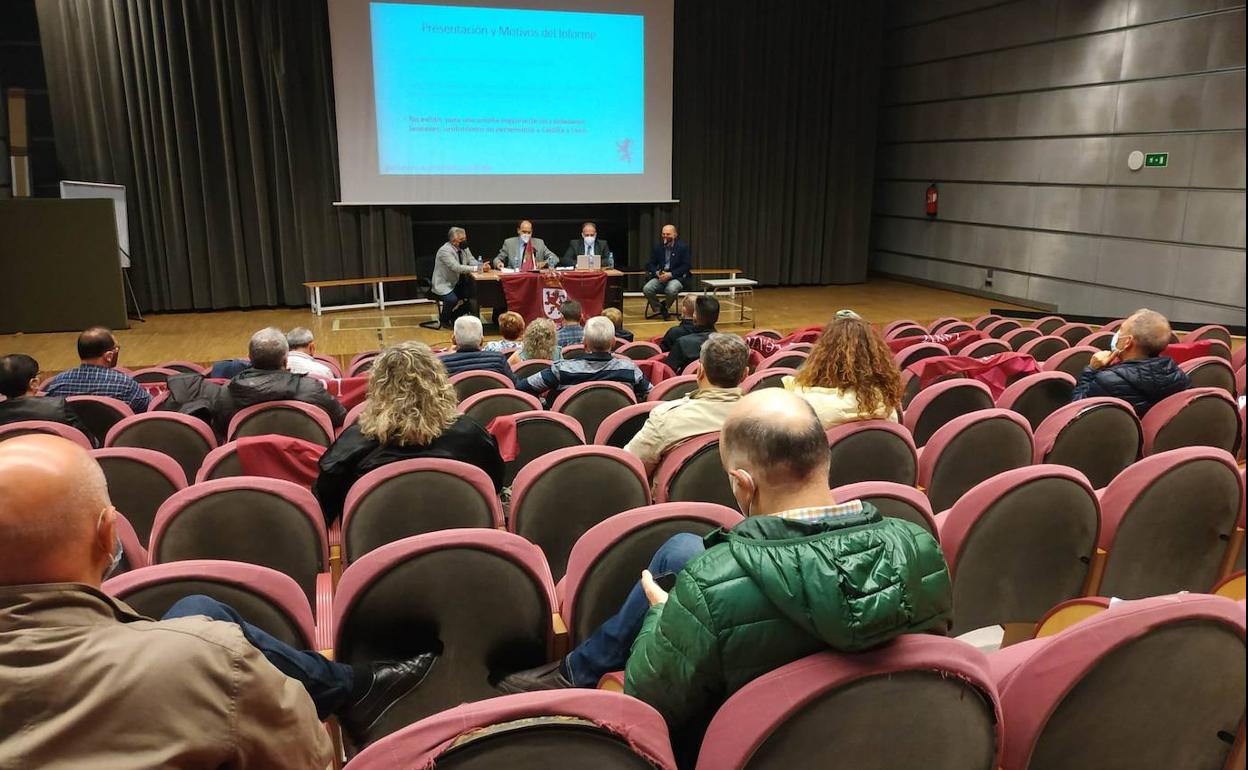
1134	369
86	682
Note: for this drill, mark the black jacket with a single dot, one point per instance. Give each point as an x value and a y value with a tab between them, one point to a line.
477	360
1141	383
687	349
354	455
676	332
49	408
257	386
682	261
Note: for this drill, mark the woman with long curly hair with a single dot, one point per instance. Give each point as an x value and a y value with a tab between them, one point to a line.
541	340
410	412
850	374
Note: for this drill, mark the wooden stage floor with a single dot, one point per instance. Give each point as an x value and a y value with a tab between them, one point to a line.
211	336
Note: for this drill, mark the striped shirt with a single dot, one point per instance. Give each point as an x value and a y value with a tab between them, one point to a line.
593	367
822	511
92	380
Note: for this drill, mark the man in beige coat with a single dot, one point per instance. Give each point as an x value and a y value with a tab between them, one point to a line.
86	682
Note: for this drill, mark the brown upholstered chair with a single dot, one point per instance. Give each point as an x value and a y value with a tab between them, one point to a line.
897	501
1210	372
1194	417
984	348
772	377
284	418
1020	337
1038	395
592	402
640	350
99	414
1097	339
29	427
1072	332
674	388
1047	324
139	482
531	367
1210	332
619	428
872	450
693	472
485	406
1071	360
939	403
786	358
1099	437
1044	348
970	449
918	352
984	321
539	433
998	329
186	439
471	383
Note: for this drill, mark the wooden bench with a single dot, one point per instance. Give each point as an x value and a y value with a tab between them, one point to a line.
379	292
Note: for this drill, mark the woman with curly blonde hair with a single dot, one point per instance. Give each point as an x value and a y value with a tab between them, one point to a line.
410	413
541	340
850	374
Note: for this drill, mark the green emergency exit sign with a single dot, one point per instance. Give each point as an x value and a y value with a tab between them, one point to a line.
1157	160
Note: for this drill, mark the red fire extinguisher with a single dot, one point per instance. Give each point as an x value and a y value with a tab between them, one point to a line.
932	198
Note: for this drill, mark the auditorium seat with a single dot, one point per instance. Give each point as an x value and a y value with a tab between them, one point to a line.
619	428
1098	339
998	329
1220	349
1155	684
1231	587
940	402
486	405
570	352
970	449
412	497
531	731
1194	417
186	367
186	439
769	333
1210	372
984	321
799	347
920	701
1065	614
154	375
157	404
284	418
1073	332
640	350
526	369
29	427
984	348
99	414
900	323
1210	332
353	415
1098	437
912	330
139	482
1166	522
1240	385
607	560
897	501
1114	325
772	377
958	327
693	472
692	368
471	383
1239	357
538	433
1017	544
1072	360
935	326
482	599
362	363
916	353
134	550
1048	323
1044	348
273	523
674	388
560	495
280	457
785	359
872	450
1019	337
332	363
592	402
1038	395
263	597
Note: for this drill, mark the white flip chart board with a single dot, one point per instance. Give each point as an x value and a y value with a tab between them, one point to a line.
114	192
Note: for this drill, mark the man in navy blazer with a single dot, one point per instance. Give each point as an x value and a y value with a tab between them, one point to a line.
668	270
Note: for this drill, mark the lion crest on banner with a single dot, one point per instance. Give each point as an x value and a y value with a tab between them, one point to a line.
553	297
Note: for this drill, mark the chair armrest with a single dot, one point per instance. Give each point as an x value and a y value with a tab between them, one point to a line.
559	640
612	681
324	633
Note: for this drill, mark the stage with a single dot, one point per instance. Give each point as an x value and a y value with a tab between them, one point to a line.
210	336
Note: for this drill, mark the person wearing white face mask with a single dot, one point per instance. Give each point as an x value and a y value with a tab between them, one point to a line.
525	252
1133	369
589	243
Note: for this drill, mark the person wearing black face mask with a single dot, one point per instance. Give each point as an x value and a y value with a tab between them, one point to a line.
451	285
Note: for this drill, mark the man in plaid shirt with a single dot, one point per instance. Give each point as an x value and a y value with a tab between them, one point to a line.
571	333
96	375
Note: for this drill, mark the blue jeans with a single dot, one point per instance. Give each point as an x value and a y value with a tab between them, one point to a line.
328	683
607	649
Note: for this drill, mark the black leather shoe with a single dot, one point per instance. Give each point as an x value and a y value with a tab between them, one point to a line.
544	677
391	681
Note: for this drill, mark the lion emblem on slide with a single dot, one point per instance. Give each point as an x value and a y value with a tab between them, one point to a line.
624	148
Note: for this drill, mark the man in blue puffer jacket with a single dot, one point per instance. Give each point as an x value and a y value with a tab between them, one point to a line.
1133	369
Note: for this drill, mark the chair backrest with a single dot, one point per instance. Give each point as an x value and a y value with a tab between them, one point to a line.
573	351
434	593
939	403
485	406
1113	325
1220	349
1096	436
905	330
592	402
1044	348
471	383
285	418
278	457
915	353
1071	360
972	448
785	359
559	496
1239	356
998	329
362	356
1038	395
531	367
154	375
1048	323
766	378
1166	521
186	439
984	321
1019	543
572	728
1097	339
28	427
362	366
1156	683
134	551
1210	332
693	472
1194	417
674	388
892	326
1019	337
619	428
270	522
897	501
872	450
263	597
1210	372
940	690
769	333
331	362
935	326
606	561
139	482
1240	384
412	497
640	350
984	348
692	368
1072	332
99	414
539	433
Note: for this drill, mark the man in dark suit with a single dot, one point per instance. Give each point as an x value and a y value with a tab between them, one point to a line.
19	384
588	243
668	271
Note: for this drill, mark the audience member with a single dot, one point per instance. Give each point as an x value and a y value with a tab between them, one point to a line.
725	359
616	317
96	375
850	374
19	384
685	349
571	333
1133	369
302	349
410	413
685	326
511	326
85	681
540	343
786	582
267	380
469	356
597	365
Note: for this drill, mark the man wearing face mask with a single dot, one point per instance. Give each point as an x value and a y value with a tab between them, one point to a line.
450	284
588	243
85	681
1133	369
668	270
524	252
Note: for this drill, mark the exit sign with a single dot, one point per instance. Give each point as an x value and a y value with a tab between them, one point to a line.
1157	159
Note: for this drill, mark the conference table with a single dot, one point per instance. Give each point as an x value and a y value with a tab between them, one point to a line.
489	288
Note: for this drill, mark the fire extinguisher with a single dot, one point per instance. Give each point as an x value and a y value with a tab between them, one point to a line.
932	198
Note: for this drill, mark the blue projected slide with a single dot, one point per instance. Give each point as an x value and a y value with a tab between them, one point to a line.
502	91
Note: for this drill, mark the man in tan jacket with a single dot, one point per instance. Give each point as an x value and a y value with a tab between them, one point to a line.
86	682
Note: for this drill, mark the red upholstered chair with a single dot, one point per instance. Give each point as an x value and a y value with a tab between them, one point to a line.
1072	332
1194	417
1114	325
592	402
939	403
957	328
897	501
939	689
901	323
331	362
1210	332
1156	683
134	550
1240	384
908	330
619	428
772	377
804	347
1038	395
915	353
531	367
984	348
1210	372
998	329
655	370
296	460
273	523
872	450
353	415
481	597
1019	337
640	350
785	359
485	406
28	427
935	326
560	495
539	433
1017	544
674	388
157	404
570	352
692	368
99	414
284	418
1048	323
607	560
1166	522
1220	349
693	472
970	449
1072	360
154	375
361	364
468	384
984	321
564	728
1097	339
769	333
1239	356
1044	348
186	367
1099	437
186	439
139	482
412	497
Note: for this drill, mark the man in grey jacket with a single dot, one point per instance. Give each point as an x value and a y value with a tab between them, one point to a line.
451	267
523	244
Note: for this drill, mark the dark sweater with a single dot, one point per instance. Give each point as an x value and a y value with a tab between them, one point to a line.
476	361
48	408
